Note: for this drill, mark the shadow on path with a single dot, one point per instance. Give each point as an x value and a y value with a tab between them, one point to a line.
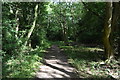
55	65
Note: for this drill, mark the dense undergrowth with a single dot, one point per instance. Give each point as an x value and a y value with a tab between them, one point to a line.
87	61
24	64
89	64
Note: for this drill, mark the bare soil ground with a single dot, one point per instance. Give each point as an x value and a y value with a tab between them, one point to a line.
56	65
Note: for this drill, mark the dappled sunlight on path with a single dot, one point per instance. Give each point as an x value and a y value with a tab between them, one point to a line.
56	65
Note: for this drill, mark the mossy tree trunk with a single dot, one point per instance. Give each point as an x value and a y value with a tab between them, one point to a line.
107	31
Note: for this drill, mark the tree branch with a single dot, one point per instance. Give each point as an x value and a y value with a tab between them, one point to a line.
91	10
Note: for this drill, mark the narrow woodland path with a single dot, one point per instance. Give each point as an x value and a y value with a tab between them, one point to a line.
56	65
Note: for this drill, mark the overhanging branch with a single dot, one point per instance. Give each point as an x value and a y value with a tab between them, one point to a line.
91	10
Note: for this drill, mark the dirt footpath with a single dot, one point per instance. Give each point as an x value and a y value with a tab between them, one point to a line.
56	65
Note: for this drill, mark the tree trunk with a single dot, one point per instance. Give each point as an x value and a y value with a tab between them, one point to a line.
74	28
107	31
119	43
33	26
17	27
64	27
114	22
64	31
65	34
118	28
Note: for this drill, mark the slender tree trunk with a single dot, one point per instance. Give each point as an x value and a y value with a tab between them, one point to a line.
64	31
64	27
74	28
17	27
107	31
33	26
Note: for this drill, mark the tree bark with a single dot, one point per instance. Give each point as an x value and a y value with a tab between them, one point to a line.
74	28
114	22
118	43
17	27
64	31
64	27
107	31
33	26
118	28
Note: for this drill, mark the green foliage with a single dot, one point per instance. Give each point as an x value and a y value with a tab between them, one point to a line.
8	36
18	60
91	26
59	43
24	65
79	25
90	37
88	62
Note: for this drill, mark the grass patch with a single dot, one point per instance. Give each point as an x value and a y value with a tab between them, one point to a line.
59	43
88	62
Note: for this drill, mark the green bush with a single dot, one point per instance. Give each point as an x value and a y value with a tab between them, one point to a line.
24	65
